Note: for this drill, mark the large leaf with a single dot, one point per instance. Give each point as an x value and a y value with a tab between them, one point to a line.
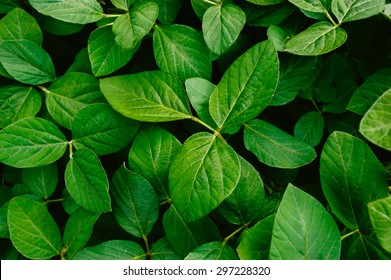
26	62
309	128
153	96
204	172
31	142
320	38
18	102
275	147
168	10
32	230
181	51
76	11
221	26
135	203
350	10
216	250
351	177
303	229
151	154
41	181
246	87
101	129
87	182
376	124
380	214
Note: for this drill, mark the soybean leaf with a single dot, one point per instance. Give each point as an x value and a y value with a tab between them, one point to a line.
344	91
135	203
87	182
153	96
69	94
309	128
320	38
33	231
376	125
216	250
363	247
26	62
246	88
81	63
380	214
186	236
181	51
303	229
31	142
18	24
122	4
75	11
130	28
162	250
168	10
351	10
200	6
315	6
112	250
18	102
203	173
4	231
105	55
8	5
101	129
221	26
151	154
41	181
265	16
351	177
56	26
275	147
265	2
78	230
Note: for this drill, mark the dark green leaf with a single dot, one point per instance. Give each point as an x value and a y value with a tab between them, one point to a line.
8	5
168	10
316	6
4	231
58	27
162	250
309	128
213	251
380	214
265	2
350	10
41	181
264	16
362	247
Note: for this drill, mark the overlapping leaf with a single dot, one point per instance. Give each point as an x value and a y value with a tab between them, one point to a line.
213	251
41	181
351	10
309	128
380	214
168	10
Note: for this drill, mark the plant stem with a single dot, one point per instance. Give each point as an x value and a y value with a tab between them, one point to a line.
55	200
215	131
70	149
211	2
316	106
331	18
349	234
112	15
226	239
146	245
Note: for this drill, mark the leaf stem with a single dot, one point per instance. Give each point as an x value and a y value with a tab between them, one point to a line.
215	131
316	106
226	239
55	200
146	245
330	18
71	149
112	15
349	234
211	2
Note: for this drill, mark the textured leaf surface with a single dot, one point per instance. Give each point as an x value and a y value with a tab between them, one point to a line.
380	214
168	10
122	4
316	6
350	10
113	250
41	181
31	142
303	229
213	251
309	128
162	250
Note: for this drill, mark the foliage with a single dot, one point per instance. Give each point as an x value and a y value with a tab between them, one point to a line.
202	129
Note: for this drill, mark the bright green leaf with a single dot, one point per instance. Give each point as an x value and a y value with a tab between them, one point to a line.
316	6
380	214
162	250
350	10
31	142
41	181
265	2
309	128
213	251
168	10
122	4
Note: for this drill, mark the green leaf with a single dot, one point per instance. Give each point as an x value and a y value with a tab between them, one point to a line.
184	236
31	142
41	181
153	96
130	28
69	94
213	251
246	88
33	231
122	4
105	55
162	250
26	62
78	230
363	247
265	2
135	203
75	11
168	10
181	51
309	128
221	26
255	242
151	154
56	26
4	231
380	214
275	147
350	10
316	6
344	91
320	38
113	250
8	5
303	229
265	16
18	24
351	177
18	102
101	129
81	63
87	182
204	172
376	125
200	6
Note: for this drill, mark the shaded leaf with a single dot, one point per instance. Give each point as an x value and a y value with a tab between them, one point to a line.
162	250
380	214
213	251
41	181
309	128
168	10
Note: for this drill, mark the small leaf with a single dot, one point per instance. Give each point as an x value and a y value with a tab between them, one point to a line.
75	11
303	229
168	10
162	250
41	181
87	182
204	172
136	205
213	251
122	4
181	51
33	231
31	142
26	62
275	147
380	214
309	128
350	10
376	125
320	38
153	96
